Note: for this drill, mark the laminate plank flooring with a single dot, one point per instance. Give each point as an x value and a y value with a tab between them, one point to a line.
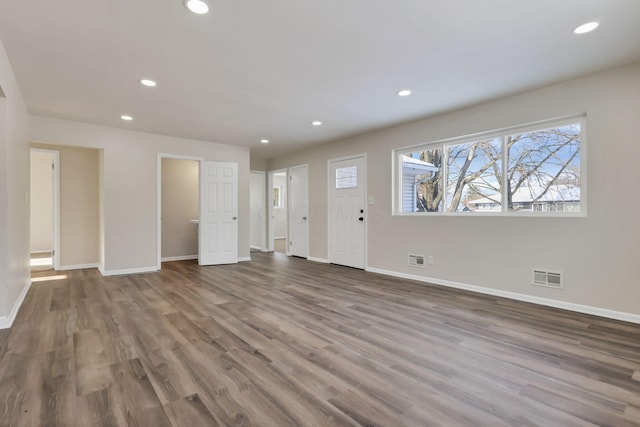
282	341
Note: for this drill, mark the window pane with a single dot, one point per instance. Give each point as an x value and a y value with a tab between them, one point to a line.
544	170
421	181
474	176
277	199
347	177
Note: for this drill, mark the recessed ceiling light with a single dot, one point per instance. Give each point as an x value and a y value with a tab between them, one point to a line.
126	117
585	28
147	82
404	92
197	6
316	123
264	141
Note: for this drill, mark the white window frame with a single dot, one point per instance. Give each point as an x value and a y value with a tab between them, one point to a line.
396	169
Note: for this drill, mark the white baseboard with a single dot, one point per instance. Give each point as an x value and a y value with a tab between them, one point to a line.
244	259
104	272
77	266
283	237
586	309
42	252
7	321
257	248
314	259
179	258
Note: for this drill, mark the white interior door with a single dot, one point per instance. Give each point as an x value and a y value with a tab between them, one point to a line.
256	196
45	205
347	212
298	211
218	232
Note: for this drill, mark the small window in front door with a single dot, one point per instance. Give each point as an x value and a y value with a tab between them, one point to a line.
347	177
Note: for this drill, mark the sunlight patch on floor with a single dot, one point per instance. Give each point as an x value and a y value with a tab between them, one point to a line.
39	262
49	278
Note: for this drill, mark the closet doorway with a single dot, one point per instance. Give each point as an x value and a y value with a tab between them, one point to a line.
179	208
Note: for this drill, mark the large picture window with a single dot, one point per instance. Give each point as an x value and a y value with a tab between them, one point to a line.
530	170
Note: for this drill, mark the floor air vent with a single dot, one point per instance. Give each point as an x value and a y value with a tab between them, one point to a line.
550	279
416	260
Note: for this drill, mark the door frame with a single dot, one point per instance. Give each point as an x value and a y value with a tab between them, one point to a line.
270	246
287	245
159	198
55	154
365	203
263	224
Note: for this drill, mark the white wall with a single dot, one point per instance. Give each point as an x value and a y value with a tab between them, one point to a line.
4	221
258	163
598	254
41	202
129	185
280	214
14	193
180	203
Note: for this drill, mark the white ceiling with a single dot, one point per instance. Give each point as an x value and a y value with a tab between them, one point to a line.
265	69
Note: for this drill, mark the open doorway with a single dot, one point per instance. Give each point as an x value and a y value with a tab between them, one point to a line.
278	211
44	209
179	207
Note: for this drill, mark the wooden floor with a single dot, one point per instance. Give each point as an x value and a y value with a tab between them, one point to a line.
286	342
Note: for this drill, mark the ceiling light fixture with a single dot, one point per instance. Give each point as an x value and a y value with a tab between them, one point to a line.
126	117
148	83
197	6
316	123
586	28
404	92
264	141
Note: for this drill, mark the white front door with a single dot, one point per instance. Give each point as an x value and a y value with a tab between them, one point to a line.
218	233
298	211
347	212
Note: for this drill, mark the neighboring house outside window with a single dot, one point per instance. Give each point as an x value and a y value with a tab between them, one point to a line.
532	169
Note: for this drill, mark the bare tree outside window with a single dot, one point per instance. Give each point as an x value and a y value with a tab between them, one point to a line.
542	174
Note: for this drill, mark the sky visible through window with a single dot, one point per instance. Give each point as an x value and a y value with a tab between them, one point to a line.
542	174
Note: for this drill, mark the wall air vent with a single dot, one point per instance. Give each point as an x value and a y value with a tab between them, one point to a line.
416	260
549	279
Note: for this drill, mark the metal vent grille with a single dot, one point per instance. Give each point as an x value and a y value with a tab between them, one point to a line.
550	279
416	260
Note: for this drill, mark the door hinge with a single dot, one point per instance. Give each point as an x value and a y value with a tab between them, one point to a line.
53	165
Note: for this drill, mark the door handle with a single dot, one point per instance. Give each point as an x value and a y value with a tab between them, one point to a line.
235	217
304	218
361	218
